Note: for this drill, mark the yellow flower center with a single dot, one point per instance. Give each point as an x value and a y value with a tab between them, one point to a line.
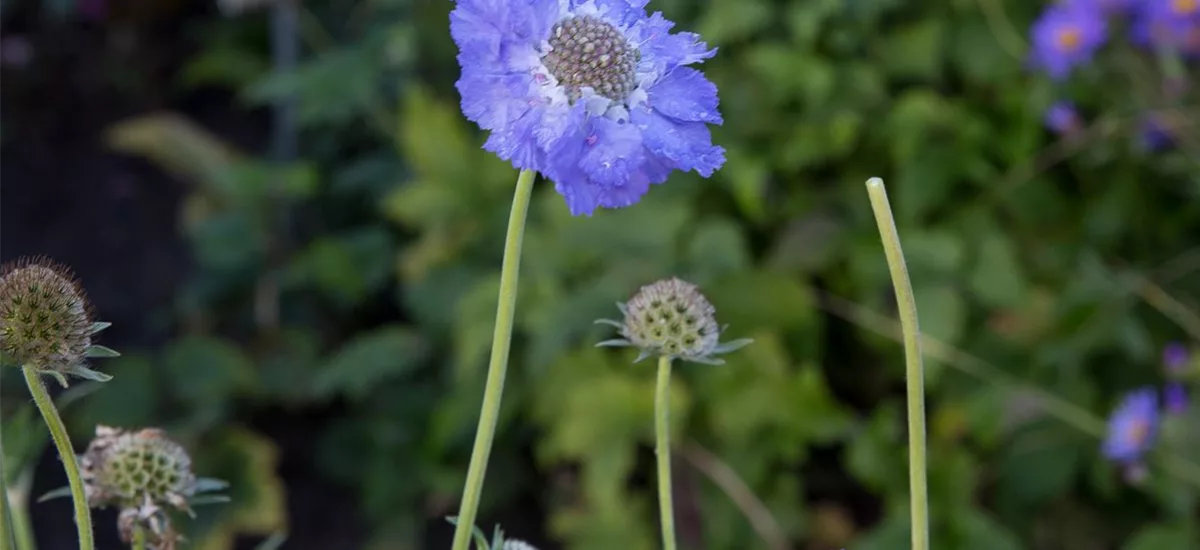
1184	7
1139	431
1070	38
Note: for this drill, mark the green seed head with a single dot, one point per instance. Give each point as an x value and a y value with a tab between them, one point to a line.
44	320
671	318
130	469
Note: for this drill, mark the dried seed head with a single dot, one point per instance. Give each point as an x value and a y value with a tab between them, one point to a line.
44	321
136	469
518	545
154	524
671	318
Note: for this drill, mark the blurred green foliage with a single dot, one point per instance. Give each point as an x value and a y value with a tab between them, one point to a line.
380	294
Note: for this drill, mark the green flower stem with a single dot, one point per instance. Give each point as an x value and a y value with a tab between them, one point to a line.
914	370
662	450
139	538
7	526
58	432
22	524
501	339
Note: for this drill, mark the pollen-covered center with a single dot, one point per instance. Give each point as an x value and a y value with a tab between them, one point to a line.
585	52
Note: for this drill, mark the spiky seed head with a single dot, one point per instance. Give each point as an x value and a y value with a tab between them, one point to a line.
44	320
672	318
134	469
518	545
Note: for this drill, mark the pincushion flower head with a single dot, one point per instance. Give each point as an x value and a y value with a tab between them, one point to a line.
1133	427
1067	35
45	321
596	95
671	318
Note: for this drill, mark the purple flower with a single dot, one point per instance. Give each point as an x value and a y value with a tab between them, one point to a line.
1155	135
1175	398
1175	357
1067	35
1172	24
1062	118
594	94
1132	427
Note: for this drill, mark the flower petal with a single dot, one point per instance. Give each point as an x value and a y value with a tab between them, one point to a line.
683	145
685	95
613	152
662	50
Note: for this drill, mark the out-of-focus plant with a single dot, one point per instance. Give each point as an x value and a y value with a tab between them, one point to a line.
1045	271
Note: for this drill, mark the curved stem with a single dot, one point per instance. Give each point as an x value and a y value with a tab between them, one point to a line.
501	339
58	432
139	538
662	450
914	370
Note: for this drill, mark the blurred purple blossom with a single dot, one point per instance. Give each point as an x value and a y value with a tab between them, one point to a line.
1175	357
1062	118
1132	427
1067	35
1155	136
1175	398
1171	24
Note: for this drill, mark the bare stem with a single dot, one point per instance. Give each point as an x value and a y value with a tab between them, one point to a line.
498	367
662	450
62	442
913	367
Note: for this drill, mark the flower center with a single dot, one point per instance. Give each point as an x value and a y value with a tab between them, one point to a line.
587	52
1069	38
1138	432
1184	7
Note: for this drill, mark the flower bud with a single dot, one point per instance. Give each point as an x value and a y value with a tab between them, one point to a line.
44	320
671	318
134	469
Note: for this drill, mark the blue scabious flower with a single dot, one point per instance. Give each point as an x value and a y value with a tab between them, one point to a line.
595	94
1132	427
1062	118
1067	35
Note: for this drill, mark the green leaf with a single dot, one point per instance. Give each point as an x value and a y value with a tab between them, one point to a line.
981	532
1163	537
207	371
998	279
914	50
371	359
101	351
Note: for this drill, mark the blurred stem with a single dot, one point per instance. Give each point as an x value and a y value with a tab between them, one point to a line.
497	367
62	442
139	538
914	370
7	526
18	498
662	450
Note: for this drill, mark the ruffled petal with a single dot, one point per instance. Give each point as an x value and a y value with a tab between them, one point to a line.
684	145
662	50
613	152
652	171
515	142
562	160
685	95
494	101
